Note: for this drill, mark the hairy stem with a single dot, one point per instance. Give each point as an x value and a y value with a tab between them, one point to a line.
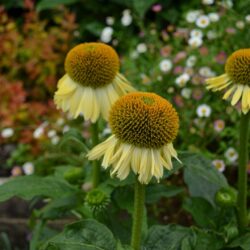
242	172
138	215
95	164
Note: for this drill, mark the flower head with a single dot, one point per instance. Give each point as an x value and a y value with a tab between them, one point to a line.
219	165
236	78
203	110
231	154
92	82
143	127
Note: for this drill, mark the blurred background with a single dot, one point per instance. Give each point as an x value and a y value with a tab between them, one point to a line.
169	47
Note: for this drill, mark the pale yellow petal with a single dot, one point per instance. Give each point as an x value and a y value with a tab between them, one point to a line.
216	82
135	161
96	108
87	106
144	169
237	94
228	93
109	151
100	149
66	85
102	96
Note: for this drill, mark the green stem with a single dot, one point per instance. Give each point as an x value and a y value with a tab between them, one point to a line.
242	172
95	164
138	215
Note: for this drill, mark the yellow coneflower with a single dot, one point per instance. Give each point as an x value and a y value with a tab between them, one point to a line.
92	82
236	79
143	127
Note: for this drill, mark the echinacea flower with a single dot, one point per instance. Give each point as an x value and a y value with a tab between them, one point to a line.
92	82
236	78
143	126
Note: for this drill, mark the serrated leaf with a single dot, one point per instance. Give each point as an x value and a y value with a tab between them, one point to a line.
202	179
201	210
242	241
165	237
27	187
175	237
86	234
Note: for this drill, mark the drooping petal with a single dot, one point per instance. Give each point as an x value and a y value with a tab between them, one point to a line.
237	94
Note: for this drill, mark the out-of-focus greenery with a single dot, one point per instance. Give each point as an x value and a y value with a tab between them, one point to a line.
152	39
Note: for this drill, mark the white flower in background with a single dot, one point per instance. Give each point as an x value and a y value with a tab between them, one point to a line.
227	4
203	110
7	132
192	15
66	128
186	93
106	35
202	21
106	131
208	2
166	65
60	121
182	80
211	34
28	168
191	61
195	42
51	133
55	139
110	20
206	72
247	18
126	18
214	17
240	25
231	154
38	132
196	33
141	48
134	54
219	165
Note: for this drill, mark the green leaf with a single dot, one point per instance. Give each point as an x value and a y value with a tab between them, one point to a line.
141	6
168	237
86	234
175	237
201	210
202	179
242	241
48	4
155	192
206	240
28	187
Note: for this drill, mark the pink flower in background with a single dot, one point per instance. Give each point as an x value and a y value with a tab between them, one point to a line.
178	101
197	94
16	171
221	57
219	125
166	51
156	8
204	51
231	30
178	70
197	79
180	56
